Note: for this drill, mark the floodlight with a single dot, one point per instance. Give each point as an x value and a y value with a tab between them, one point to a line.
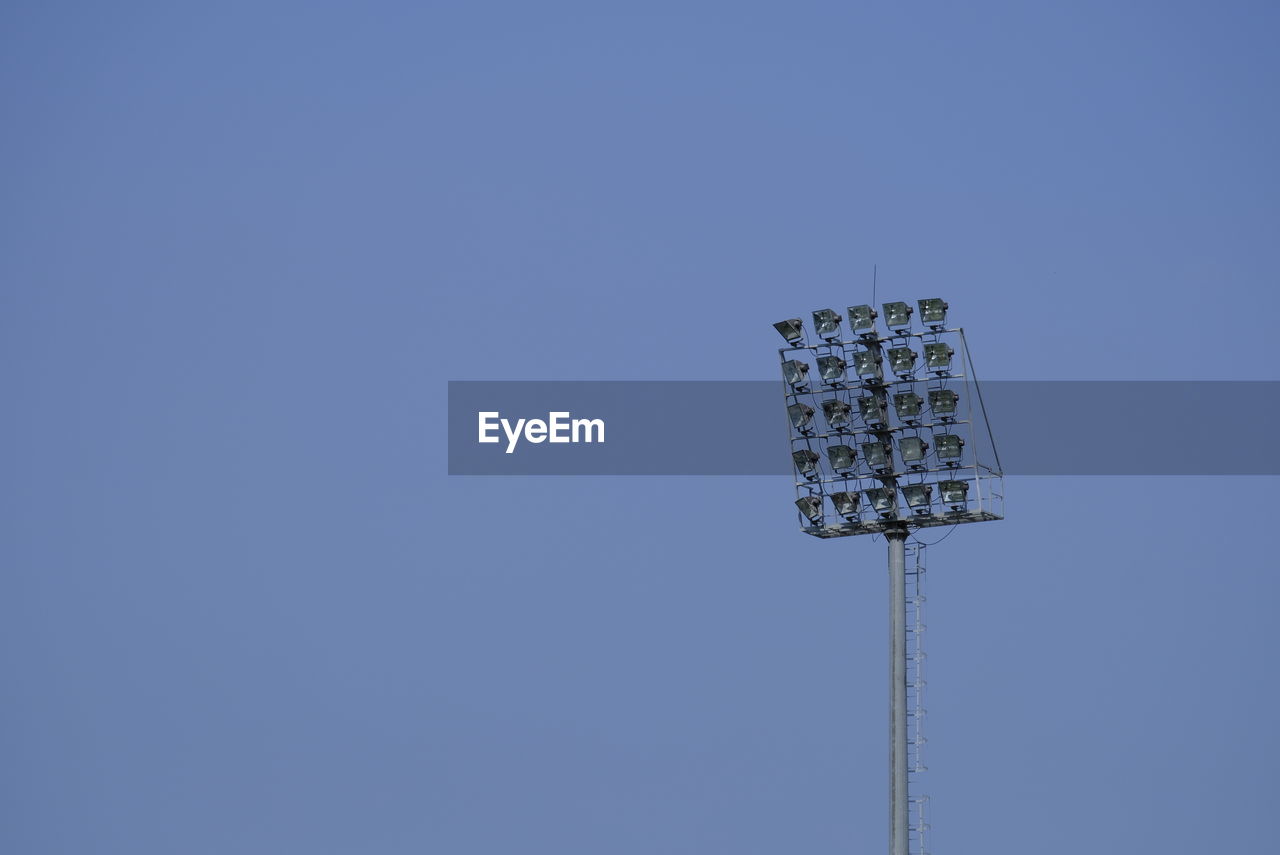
882	501
862	318
826	323
832	369
919	497
806	460
877	455
840	456
897	315
866	363
907	406
837	413
948	446
871	408
943	402
846	503
902	360
954	493
811	507
937	354
795	372
800	414
913	449
889	470
933	312
792	330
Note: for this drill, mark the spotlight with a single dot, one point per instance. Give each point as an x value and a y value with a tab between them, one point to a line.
846	504
913	450
806	461
933	312
919	497
902	360
811	507
840	456
832	369
907	406
795	372
897	315
937	354
948	446
877	455
866	363
882	501
826	323
800	414
837	414
792	330
872	410
862	318
954	493
943	403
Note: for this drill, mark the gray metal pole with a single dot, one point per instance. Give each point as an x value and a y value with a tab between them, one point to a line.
897	691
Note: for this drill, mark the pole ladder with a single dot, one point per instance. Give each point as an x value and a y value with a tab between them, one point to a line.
917	842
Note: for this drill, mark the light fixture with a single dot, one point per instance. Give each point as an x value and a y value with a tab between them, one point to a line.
890	466
832	369
800	414
866	363
806	460
902	360
919	497
948	446
871	408
837	414
795	372
907	406
897	315
792	330
954	493
826	323
846	503
887	449
877	455
882	501
811	507
937	354
913	449
840	456
943	402
933	312
862	318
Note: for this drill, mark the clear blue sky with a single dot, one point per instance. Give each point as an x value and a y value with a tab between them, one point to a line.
243	246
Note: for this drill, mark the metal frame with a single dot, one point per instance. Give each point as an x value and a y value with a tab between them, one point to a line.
979	464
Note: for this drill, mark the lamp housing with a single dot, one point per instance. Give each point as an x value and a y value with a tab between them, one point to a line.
831	369
826	323
897	315
800	414
791	329
862	318
933	311
811	507
806	461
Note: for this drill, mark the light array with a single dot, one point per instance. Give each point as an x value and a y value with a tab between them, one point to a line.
882	424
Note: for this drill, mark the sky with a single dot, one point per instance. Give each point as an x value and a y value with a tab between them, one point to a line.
245	246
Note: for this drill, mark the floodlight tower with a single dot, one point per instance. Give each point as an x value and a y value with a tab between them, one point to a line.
904	432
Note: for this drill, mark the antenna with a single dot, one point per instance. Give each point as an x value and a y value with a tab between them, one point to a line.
874	270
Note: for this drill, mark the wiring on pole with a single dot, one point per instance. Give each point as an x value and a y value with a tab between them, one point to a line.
917	539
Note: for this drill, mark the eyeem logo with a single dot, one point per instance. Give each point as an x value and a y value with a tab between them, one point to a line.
558	427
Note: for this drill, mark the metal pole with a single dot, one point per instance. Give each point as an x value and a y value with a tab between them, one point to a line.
897	690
